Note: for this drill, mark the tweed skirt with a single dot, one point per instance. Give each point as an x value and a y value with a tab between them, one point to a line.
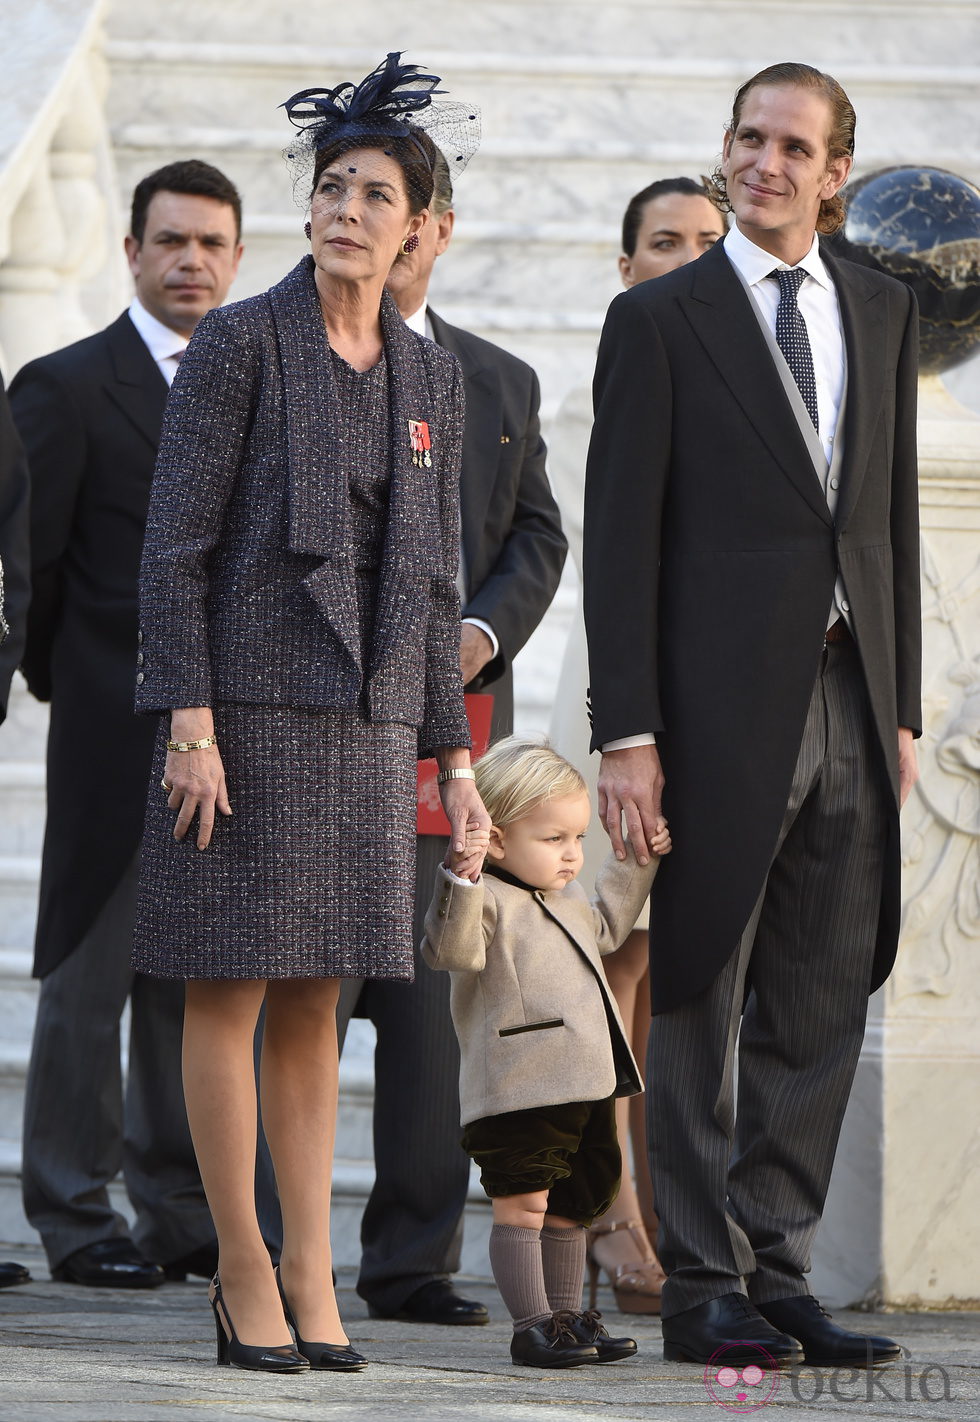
313	874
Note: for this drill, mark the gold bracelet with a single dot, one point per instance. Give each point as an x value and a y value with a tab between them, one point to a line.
202	744
462	773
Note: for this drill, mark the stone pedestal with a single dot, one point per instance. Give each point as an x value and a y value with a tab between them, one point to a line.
901	1225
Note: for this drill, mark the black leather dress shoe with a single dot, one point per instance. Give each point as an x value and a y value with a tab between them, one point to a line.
110	1264
11	1274
587	1329
697	1334
436	1302
550	1345
825	1343
201	1262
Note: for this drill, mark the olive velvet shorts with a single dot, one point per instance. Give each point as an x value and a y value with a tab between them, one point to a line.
571	1150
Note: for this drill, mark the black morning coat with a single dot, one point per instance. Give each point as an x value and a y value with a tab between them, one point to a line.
90	417
513	546
14	548
710	562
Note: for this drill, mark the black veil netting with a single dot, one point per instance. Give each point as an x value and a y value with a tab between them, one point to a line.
394	101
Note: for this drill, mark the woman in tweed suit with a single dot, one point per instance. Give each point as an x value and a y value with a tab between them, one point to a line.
300	624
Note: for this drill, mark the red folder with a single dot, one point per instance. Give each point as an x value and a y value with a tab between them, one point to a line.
431	819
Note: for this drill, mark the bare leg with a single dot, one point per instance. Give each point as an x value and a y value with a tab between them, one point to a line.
299	1112
219	1089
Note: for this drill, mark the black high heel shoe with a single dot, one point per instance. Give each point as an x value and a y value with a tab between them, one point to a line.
232	1353
325	1357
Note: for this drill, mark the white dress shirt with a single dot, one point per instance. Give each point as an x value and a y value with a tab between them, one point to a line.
165	346
419	323
820	309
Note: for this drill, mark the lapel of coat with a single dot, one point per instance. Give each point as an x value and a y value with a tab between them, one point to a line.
317	499
409	558
719	311
137	387
568	915
863	311
482	429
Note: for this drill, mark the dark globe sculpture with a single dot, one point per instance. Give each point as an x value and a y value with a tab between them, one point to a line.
922	225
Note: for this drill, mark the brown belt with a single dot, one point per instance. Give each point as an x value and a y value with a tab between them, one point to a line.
838	632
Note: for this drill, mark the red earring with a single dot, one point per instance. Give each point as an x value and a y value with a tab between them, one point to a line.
410	243
308	229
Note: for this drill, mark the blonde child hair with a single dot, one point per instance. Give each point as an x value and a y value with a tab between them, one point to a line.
516	774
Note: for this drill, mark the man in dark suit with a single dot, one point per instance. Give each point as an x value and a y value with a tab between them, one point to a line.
511	557
15	591
752	605
15	576
90	418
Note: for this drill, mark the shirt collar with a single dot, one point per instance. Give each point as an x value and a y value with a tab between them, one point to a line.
159	339
754	263
416	322
489	867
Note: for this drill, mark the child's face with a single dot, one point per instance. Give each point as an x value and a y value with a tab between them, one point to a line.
544	848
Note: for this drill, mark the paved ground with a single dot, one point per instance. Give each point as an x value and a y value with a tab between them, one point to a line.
69	1354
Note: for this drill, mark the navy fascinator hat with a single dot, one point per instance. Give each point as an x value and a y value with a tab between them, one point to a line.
395	101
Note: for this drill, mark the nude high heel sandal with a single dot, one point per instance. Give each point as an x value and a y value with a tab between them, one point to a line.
636	1283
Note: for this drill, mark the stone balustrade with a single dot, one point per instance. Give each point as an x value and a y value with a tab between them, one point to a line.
61	268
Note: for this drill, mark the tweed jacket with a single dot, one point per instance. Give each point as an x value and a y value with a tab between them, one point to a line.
536	1021
247	588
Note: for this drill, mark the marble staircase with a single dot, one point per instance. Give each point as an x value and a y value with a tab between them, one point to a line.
582	104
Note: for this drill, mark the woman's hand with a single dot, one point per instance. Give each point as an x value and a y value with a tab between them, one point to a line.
469	827
195	779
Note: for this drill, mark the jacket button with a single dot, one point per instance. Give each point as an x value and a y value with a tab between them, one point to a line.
441	913
139	678
139	636
139	659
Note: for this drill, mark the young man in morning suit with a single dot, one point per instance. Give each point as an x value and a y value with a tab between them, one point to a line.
752	604
90	418
511	556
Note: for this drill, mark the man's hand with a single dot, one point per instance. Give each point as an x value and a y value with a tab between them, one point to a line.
475	650
631	785
908	764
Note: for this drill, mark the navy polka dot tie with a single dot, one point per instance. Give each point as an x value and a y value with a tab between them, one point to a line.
792	338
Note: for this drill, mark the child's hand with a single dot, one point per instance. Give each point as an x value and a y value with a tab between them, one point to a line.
660	842
466	864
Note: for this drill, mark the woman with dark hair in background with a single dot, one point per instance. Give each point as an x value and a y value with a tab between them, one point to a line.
665	225
300	629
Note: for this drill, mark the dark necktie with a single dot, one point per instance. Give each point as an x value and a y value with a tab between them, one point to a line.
792	338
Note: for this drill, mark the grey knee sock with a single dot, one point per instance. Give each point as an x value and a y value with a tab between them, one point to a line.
515	1258
563	1265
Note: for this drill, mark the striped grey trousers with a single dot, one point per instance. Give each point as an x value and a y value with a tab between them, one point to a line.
740	1176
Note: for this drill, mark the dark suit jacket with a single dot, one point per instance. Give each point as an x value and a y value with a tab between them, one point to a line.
710	561
247	590
89	416
14	547
513	546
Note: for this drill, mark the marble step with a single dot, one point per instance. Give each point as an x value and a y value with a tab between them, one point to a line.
23	736
22	808
19	875
581	100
